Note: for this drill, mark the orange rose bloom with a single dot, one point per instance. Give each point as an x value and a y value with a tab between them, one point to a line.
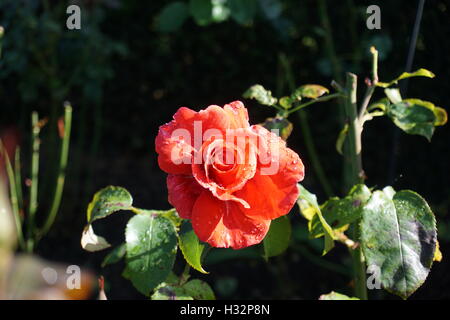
231	179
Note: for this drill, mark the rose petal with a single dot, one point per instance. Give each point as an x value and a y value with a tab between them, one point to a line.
183	192
273	191
175	154
223	224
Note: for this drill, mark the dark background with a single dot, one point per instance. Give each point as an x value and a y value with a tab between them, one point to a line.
125	77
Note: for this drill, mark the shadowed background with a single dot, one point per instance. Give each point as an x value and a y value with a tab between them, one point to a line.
125	75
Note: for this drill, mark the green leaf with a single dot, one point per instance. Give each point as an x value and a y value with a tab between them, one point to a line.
278	237
308	202
339	213
393	95
286	102
171	214
312	91
171	292
107	201
336	296
201	10
194	289
151	248
260	94
283	125
199	290
404	75
413	116
172	17
441	116
242	12
341	139
191	247
115	255
398	236
91	242
220	12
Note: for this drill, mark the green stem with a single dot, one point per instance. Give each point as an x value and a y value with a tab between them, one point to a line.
354	176
321	99
34	180
61	171
18	176
13	196
306	132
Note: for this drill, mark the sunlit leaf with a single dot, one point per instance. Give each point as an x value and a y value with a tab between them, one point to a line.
340	213
91	242
260	94
283	125
151	249
413	116
437	253
341	139
336	296
278	238
393	95
441	116
107	201
398	237
308	202
404	75
220	11
286	102
191	247
312	91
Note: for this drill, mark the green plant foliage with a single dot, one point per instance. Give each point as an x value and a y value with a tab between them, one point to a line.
284	126
220	11
170	292
286	102
260	94
278	238
341	139
107	201
172	17
336	296
151	245
192	290
115	255
413	116
309	208
92	242
191	247
312	91
398	236
243	12
199	290
418	73
201	11
339	213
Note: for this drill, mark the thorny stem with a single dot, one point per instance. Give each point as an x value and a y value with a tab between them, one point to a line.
61	170
35	127
353	156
